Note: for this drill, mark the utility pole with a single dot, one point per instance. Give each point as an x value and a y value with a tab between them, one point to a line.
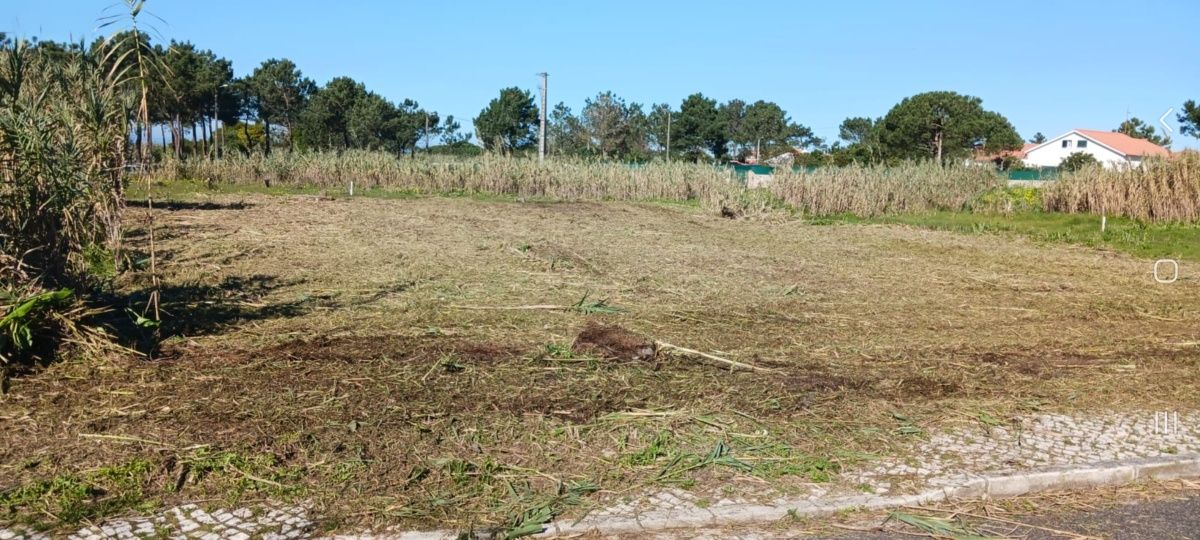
668	134
217	125
426	133
216	120
542	121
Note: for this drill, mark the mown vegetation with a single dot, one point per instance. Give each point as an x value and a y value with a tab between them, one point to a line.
432	395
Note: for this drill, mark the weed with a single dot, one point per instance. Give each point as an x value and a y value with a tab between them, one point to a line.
657	448
595	307
71	498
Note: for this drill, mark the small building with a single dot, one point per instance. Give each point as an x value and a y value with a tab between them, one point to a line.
1111	149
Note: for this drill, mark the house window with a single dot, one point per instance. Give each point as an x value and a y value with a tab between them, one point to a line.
1066	143
1081	144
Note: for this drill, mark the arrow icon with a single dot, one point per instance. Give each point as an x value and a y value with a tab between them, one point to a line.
1163	120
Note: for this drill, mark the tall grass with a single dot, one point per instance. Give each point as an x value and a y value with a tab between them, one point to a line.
497	175
1159	190
873	190
63	136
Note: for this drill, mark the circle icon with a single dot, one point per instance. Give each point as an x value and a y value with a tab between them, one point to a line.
1174	266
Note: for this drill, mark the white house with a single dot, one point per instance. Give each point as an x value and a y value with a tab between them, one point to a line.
1109	148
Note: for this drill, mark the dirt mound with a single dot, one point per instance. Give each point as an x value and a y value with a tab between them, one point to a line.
612	341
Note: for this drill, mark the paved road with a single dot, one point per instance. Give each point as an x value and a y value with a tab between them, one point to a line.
1159	520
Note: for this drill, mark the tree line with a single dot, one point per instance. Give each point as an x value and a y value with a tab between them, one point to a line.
277	106
933	125
274	106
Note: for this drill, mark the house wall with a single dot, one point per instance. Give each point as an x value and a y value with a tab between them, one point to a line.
1052	153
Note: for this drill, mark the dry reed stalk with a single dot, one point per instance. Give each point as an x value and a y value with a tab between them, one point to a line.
1161	190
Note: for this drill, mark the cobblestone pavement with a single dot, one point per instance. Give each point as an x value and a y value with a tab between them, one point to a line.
191	521
945	459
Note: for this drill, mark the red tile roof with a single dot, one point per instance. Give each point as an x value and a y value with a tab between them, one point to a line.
1019	154
1124	144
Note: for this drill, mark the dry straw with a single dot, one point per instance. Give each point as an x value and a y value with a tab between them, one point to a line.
872	190
1159	190
496	175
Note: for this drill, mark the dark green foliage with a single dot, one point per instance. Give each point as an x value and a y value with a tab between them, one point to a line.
1189	119
345	115
658	126
698	132
509	122
277	92
565	133
28	322
194	80
1077	161
763	128
615	129
1038	138
943	125
1136	128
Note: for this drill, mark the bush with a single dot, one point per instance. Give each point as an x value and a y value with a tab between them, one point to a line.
1078	161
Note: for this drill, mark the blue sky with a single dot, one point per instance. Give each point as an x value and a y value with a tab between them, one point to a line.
1047	66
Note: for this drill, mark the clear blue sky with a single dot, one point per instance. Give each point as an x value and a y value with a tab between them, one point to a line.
1048	66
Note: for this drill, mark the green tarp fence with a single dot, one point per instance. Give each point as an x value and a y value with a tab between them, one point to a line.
740	172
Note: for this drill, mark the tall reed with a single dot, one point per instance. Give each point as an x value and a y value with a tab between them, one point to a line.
498	175
1159	190
872	190
63	136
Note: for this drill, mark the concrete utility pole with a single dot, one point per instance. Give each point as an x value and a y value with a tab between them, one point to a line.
668	135
542	121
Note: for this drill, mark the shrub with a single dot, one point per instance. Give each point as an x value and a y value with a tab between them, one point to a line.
1078	161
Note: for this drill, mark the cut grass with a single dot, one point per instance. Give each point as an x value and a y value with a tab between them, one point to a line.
315	338
1149	241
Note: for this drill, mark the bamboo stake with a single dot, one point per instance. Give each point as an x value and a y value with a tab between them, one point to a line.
513	308
733	364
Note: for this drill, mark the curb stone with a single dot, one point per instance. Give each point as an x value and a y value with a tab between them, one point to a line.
674	512
1096	475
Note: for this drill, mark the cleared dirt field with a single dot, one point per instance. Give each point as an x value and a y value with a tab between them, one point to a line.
393	361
